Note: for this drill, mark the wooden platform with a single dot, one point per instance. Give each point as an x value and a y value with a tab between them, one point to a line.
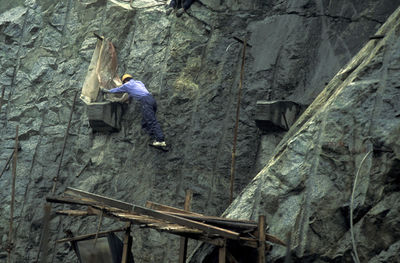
210	229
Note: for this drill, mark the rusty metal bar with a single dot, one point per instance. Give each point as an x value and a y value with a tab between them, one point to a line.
55	179
43	246
14	175
2	97
237	121
84	167
5	166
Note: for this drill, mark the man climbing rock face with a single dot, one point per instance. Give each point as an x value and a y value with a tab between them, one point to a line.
138	91
182	5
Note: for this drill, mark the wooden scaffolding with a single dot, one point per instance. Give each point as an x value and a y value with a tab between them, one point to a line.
214	230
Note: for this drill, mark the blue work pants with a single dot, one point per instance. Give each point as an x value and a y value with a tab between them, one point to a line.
149	121
177	4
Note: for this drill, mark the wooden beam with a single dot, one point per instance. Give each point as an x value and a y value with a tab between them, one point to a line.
261	239
71	201
127	246
166	208
99	198
208	229
222	253
75	213
224	222
90	236
184	240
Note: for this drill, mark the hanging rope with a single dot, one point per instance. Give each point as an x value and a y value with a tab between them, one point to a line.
353	241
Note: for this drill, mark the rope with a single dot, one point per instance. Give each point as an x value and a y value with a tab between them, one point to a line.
351	209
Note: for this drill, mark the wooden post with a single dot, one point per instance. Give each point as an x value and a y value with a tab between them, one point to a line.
14	174
127	245
184	240
261	239
222	253
237	122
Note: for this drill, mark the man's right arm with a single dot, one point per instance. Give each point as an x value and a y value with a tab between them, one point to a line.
120	89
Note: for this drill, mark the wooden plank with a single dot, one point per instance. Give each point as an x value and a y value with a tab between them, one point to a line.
75	213
102	199
208	229
224	222
261	239
71	201
89	236
166	208
157	224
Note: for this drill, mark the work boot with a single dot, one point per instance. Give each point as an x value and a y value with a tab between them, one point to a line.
159	144
180	12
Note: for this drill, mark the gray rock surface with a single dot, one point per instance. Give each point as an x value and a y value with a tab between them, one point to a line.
341	155
191	64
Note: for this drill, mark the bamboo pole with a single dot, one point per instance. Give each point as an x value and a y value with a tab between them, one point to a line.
237	122
222	253
261	239
14	174
127	243
184	240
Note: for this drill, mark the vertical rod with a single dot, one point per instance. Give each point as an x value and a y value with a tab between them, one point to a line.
98	229
2	96
222	253
14	174
5	166
126	243
43	245
261	239
55	179
184	240
237	121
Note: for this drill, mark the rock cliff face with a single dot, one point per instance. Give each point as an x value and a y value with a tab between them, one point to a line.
191	65
340	157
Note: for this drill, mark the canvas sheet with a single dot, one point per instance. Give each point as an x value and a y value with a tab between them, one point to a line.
102	73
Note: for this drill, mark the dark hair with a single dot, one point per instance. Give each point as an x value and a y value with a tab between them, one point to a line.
127	79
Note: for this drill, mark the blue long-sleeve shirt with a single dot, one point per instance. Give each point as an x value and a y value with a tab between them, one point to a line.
134	88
